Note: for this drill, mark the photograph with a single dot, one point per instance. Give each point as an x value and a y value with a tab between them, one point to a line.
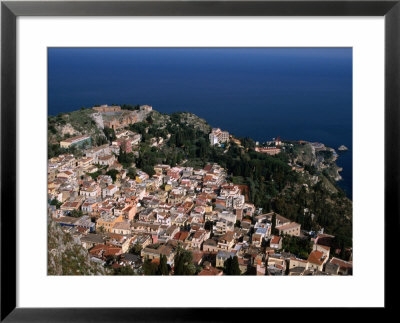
207	161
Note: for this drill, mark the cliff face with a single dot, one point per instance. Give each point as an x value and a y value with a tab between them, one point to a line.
324	162
305	154
66	257
186	118
73	123
196	122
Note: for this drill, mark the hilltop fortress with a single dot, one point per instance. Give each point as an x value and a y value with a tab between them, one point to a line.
116	118
106	108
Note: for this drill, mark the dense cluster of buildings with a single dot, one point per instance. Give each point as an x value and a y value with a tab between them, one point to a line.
130	218
196	209
126	140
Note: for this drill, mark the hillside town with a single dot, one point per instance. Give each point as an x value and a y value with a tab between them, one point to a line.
129	220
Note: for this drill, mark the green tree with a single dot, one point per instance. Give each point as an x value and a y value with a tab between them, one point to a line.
183	262
109	133
52	129
149	119
273	225
163	266
113	173
231	266
94	175
76	214
149	170
235	266
56	202
54	150
131	173
126	159
209	226
136	249
149	268
125	271
298	246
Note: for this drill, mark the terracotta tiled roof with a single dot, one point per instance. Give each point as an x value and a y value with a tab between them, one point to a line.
315	257
342	264
275	239
181	236
287	226
323	247
211	271
108	250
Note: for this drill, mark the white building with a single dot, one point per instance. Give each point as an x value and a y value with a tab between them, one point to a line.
218	136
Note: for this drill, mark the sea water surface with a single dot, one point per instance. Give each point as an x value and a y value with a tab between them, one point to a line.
294	93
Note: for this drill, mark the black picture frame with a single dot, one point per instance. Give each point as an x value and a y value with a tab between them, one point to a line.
10	10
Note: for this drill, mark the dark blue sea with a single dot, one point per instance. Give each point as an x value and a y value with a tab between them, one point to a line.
294	93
